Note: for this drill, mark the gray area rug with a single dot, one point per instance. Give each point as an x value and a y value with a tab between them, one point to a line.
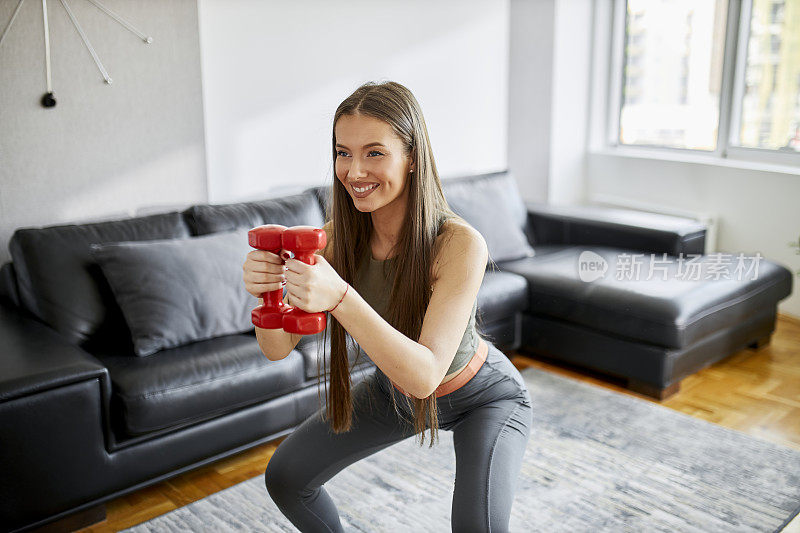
596	461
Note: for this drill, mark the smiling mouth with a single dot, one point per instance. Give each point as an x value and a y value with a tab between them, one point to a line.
363	192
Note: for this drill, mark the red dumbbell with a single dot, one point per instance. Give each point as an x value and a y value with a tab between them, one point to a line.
303	241
269	237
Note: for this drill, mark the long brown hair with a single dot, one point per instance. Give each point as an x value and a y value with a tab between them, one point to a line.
410	273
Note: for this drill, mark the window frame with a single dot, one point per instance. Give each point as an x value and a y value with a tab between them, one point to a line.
729	119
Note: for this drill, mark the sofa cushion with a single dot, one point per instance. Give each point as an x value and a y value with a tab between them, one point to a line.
294	210
501	296
671	312
61	285
195	382
491	203
177	291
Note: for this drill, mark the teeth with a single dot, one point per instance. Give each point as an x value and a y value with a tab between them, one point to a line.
365	188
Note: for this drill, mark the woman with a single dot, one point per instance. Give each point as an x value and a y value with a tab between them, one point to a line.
400	276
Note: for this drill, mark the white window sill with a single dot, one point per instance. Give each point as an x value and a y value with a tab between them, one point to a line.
698	159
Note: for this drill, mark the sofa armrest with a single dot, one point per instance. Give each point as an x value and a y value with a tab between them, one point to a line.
622	228
34	357
54	402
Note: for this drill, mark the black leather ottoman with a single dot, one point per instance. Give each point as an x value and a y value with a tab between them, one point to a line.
654	331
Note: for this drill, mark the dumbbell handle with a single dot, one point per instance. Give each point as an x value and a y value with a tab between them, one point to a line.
303	241
269	315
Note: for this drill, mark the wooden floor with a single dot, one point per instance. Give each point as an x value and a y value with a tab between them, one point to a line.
755	392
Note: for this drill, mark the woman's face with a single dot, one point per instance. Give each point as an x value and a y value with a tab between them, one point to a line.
370	154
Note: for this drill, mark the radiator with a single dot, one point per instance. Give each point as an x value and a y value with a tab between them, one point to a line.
709	219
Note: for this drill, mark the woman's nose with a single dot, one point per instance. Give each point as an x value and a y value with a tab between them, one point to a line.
355	170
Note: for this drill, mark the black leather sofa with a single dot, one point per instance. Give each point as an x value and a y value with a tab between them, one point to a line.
83	421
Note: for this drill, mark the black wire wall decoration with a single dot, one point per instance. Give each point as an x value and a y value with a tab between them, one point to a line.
48	99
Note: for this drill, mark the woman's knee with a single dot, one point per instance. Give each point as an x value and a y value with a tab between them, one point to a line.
283	477
277	479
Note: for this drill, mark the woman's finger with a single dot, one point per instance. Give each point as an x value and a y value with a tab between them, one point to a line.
259	266
257	289
264	256
297	266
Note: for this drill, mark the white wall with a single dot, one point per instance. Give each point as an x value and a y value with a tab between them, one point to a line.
274	73
549	93
103	151
530	86
570	103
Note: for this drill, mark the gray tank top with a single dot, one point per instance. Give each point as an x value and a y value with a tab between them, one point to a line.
373	285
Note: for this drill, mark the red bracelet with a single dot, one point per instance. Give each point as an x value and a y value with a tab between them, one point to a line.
340	300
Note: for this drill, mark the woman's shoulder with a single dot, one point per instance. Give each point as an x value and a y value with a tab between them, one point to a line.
456	228
456	236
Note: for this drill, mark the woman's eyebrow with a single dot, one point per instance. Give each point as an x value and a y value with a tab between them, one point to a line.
365	146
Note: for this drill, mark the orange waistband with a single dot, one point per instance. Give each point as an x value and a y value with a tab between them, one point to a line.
466	374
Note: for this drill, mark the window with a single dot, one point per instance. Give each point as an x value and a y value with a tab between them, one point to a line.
712	76
770	107
674	98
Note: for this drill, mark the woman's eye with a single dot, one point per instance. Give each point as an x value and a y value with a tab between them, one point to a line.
342	153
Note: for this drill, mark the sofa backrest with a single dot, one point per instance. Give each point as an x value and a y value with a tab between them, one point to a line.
9	293
301	209
59	283
53	277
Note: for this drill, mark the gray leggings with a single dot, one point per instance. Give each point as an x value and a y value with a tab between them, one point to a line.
490	417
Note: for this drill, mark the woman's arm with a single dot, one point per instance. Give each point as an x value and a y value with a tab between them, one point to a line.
419	367
276	344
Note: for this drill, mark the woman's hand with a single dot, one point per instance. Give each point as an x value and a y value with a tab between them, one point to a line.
263	272
313	288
